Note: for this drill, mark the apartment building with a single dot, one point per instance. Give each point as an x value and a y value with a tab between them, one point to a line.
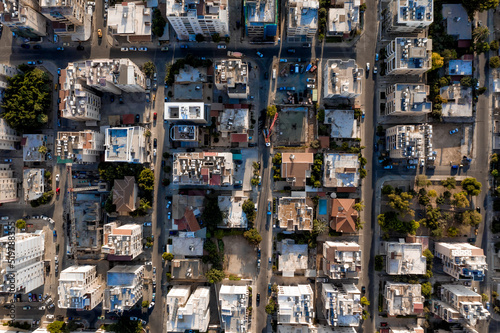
341	260
203	168
342	123
23	19
231	75
22	254
77	102
190	112
261	19
407	99
124	288
33	183
132	20
192	17
302	23
341	305
462	260
186	133
295	213
68	16
408	16
344	217
79	147
122	243
408	56
403	299
31	144
343	19
292	257
341	172
410	142
233	304
295	168
80	288
125	144
234	119
232	212
457	101
295	305
410	328
8	184
459	304
188	310
342	79
405	259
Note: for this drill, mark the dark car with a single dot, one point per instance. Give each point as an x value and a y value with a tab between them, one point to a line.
190	150
155	143
137	118
291	50
363	289
258	299
39	62
120	100
37	47
112	98
266	75
25	46
258	253
220	99
80	48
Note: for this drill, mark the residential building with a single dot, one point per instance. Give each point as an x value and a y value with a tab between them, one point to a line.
233	304
302	22
188	133
68	17
342	79
341	260
295	168
459	304
186	245
22	257
203	168
295	213
292	257
189	85
187	269
8	187
187	209
405	258
232	212
193	17
125	193
408	56
341	306
407	99
132	20
80	288
23	19
190	112
125	144
79	147
343	124
109	75
457	23
409	329
341	172
124	288
77	102
403	299
232	76
33	183
343	216
85	233
457	101
31	144
122	243
261	19
462	260
343	19
460	67
295	304
408	16
186	310
235	119
411	142
318	328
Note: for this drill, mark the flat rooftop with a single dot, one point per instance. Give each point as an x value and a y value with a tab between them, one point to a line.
261	11
342	123
459	101
457	21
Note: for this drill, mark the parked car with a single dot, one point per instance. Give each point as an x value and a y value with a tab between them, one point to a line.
311	80
454	131
8	160
155	143
221	46
184	46
42	307
26	307
25	46
124	49
57	178
258	253
60	48
376	56
164	49
291	50
143	49
155	115
32	63
311	86
151	305
169	203
99	33
258	299
54	233
388	167
367	67
375	69
137	118
132	48
260	54
169	216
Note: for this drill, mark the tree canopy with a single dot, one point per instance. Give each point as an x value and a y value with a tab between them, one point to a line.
212	214
253	236
271	111
20	224
26	99
159	23
471	186
146	180
149	68
437	61
215	275
494	62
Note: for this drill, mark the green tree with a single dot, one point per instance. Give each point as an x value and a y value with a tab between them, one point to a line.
432	193
277	158
145	304
466	81
125	325
471	186
146	180
167	256
424	200
379	263
449	54
215	275
271	306
453	232
27	96
42	118
20	224
460	200
271	111
319	227
422	181
485	298
149	68
482	47
401	202
315	144
253	236
254	182
480	34
159	23
426	289
471	217
200	38
248	208
449	183
387	189
364	301
57	327
437	61
216	38
359	206
494	62
42	149
212	214
362	173
494	45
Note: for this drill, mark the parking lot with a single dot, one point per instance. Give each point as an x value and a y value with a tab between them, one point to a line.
451	148
294	82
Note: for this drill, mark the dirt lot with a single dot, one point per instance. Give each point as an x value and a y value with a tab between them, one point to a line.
451	147
291	126
237	260
286	79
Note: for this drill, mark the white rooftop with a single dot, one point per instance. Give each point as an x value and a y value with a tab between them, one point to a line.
343	123
405	259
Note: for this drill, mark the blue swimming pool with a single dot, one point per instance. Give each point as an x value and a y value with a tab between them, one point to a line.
322	207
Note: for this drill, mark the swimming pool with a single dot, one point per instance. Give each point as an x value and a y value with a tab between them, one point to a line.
322	207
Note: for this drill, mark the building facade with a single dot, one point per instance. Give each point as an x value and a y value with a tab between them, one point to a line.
122	243
408	16
341	305
462	260
125	144
80	288
302	20
124	288
80	147
408	56
342	79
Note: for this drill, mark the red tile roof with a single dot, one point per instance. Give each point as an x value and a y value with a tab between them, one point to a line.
215	180
128	119
238	137
344	215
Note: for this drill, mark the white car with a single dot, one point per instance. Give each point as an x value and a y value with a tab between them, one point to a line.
49	317
149	263
4	218
124	49
41	307
154	152
375	70
260	54
57	178
221	46
367	66
311	86
151	305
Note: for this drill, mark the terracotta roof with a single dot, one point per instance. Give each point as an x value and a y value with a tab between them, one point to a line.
295	165
238	137
215	180
125	195
344	215
324	141
128	119
191	220
418	307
